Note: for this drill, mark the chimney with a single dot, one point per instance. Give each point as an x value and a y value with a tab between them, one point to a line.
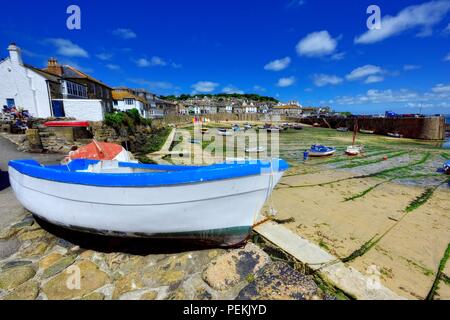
54	67
15	54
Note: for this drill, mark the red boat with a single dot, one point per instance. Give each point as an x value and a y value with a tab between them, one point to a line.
67	124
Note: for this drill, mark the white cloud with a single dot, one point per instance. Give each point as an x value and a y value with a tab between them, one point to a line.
447	29
154	61
155	85
438	97
374	79
321	80
441	88
295	3
111	66
231	89
317	44
259	88
278	65
68	48
176	65
338	56
423	16
125	33
363	72
286	82
410	67
447	57
104	56
204	86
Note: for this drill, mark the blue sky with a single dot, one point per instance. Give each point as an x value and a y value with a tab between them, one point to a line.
317	52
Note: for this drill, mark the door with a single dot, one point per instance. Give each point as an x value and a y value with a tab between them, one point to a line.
58	109
10	103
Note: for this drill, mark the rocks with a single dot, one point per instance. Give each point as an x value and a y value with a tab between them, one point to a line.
58	266
150	295
235	266
16	263
36	249
33	235
127	283
14	277
62	287
94	296
8	247
278	281
47	261
27	291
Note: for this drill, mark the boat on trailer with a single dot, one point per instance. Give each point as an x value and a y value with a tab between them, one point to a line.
321	151
215	204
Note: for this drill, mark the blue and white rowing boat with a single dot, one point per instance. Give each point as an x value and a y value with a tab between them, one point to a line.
321	151
217	204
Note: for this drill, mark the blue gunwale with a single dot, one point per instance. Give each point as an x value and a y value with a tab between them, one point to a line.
170	175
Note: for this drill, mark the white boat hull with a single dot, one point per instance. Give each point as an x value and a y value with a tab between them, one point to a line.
223	210
321	154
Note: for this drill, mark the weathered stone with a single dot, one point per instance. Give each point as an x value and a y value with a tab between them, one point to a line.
94	296
50	259
8	247
59	266
92	278
151	295
14	277
34	250
124	262
278	281
160	277
178	294
26	291
16	263
64	244
87	254
129	282
32	235
235	266
26	222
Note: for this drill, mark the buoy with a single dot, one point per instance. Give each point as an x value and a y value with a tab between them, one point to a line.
385	158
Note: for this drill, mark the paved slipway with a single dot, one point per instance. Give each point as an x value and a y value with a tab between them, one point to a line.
39	261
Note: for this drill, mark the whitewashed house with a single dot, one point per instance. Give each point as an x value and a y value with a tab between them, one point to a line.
55	91
25	87
124	99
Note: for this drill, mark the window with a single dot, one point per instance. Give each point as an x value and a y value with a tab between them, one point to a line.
75	89
129	102
116	102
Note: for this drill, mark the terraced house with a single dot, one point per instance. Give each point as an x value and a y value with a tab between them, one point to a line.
54	91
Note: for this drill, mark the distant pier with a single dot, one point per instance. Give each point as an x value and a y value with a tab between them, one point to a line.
425	128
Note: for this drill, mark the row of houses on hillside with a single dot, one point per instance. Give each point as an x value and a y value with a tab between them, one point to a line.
65	91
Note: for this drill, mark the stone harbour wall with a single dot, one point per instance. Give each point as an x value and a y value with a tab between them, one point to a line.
35	264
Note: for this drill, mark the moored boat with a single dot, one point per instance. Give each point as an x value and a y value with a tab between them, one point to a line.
395	135
100	151
215	204
447	167
224	132
342	129
353	150
367	131
321	151
255	150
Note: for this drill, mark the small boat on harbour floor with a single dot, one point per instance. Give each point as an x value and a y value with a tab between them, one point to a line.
224	132
342	129
255	150
395	135
447	167
367	131
215	204
354	150
321	151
